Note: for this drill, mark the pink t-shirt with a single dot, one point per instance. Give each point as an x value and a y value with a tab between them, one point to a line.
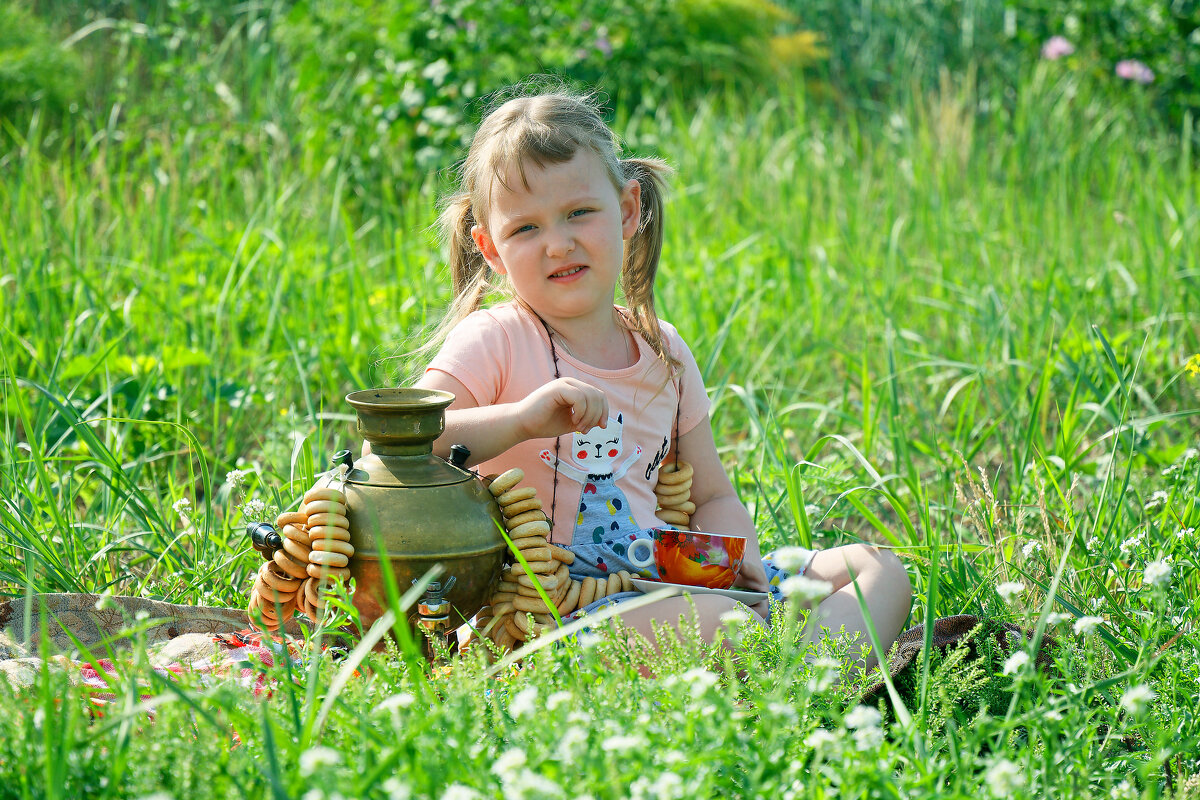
502	354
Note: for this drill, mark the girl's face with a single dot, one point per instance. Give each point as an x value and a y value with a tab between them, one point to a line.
561	240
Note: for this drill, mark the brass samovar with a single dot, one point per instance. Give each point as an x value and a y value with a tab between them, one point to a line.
405	510
409	509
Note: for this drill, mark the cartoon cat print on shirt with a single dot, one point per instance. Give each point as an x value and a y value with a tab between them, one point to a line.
604	522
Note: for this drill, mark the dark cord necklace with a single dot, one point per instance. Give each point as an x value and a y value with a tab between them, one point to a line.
557	439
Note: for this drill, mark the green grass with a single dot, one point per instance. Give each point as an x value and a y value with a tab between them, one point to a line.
951	331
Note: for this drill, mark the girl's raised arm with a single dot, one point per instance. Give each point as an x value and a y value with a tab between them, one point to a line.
558	407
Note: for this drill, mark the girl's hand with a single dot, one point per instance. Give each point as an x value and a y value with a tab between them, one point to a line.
562	406
754	580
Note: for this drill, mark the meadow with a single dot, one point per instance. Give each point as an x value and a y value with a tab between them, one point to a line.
964	329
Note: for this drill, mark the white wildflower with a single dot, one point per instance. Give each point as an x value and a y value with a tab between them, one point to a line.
456	791
825	672
699	680
524	702
863	717
1009	590
315	758
182	507
396	701
236	477
1004	778
1086	625
1157	499
1058	618
784	711
667	786
1185	533
734	618
1031	548
802	588
821	739
1016	662
1189	454
509	761
254	510
623	742
1158	573
1137	699
791	559
868	738
527	784
557	699
1123	791
397	789
1053	716
1130	544
571	743
1095	603
1092	543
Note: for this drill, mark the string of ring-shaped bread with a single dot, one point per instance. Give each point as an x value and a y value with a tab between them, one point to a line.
505	620
315	555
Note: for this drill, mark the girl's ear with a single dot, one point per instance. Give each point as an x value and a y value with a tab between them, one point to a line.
631	208
487	247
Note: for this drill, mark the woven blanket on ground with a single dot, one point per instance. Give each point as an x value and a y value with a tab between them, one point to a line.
948	632
198	640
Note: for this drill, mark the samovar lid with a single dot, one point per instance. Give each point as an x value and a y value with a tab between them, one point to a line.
401	424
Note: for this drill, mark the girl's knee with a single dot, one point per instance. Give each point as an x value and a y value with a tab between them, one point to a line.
893	573
863	561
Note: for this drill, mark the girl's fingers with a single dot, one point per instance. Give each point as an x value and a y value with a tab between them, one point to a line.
594	412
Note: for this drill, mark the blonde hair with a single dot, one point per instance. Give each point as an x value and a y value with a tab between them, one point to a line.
544	129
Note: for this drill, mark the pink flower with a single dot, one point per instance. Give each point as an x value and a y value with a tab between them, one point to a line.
1133	70
1056	47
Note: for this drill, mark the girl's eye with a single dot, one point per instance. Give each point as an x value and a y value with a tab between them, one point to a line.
522	229
579	212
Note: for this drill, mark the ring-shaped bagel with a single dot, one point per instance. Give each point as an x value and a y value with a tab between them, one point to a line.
506	481
296	534
328	558
324	507
275	578
539	528
290	518
521	519
329	532
325	518
296	550
521	506
289	565
681	473
324	493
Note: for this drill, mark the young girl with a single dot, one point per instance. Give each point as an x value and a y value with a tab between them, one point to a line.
588	398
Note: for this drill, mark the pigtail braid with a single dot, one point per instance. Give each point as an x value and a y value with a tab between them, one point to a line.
642	253
469	272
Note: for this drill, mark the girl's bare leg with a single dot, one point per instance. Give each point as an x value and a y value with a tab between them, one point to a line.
885	587
703	610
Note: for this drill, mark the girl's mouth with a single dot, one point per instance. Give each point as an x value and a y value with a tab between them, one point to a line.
566	274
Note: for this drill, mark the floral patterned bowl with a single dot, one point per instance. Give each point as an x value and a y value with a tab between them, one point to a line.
698	559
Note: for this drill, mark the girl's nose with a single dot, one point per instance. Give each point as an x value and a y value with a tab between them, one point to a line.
559	244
